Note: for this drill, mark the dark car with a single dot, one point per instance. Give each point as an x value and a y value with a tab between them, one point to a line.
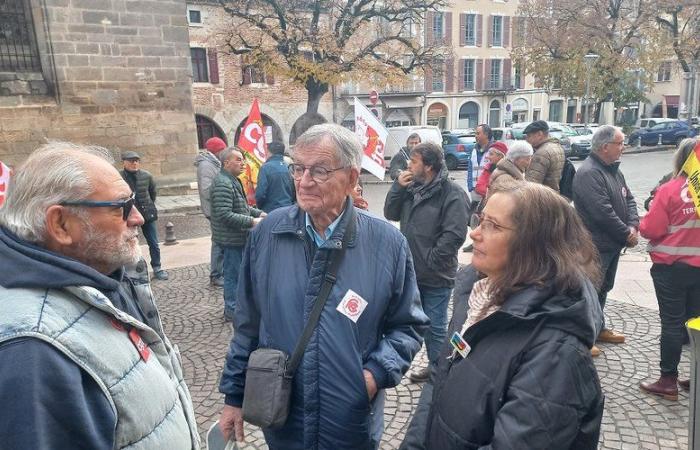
670	132
458	149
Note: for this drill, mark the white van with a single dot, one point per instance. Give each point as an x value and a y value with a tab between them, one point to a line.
650	122
399	135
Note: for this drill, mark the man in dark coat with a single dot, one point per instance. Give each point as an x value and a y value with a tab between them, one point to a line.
275	188
608	210
433	213
231	221
143	186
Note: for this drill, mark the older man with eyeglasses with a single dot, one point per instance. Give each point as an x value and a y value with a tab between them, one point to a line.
370	325
84	362
607	207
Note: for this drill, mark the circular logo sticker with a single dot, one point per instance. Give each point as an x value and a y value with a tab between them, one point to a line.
352	306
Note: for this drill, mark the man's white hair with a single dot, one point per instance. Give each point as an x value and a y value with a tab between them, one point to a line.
345	143
53	173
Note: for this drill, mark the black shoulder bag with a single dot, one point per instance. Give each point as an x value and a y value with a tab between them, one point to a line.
268	382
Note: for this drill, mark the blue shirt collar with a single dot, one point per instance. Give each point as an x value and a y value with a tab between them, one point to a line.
313	234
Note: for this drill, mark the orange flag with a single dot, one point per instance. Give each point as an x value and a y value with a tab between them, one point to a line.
252	142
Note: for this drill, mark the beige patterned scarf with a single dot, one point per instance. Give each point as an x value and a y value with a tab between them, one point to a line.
480	305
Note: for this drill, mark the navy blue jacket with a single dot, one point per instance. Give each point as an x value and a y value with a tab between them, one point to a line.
275	187
281	275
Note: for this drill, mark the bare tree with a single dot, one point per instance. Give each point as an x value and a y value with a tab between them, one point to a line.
558	34
318	43
680	19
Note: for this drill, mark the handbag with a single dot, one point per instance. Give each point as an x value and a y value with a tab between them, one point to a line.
268	381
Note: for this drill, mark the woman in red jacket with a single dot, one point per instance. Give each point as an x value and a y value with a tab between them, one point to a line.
673	229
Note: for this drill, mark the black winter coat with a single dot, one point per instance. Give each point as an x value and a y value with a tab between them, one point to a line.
605	203
528	382
435	226
144	188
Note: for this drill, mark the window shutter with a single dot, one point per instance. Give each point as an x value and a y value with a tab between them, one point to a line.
213	66
506	31
450	78
429	17
428	79
516	31
460	76
487	75
489	32
507	67
448	28
479	75
462	30
522	78
478	28
245	73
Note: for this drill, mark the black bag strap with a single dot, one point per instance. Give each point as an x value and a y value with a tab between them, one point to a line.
328	282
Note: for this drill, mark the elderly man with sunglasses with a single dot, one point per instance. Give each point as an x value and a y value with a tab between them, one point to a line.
371	323
84	362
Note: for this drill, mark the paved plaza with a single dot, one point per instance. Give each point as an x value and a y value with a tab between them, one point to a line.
192	314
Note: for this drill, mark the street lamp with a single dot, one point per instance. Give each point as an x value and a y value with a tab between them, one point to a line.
589	59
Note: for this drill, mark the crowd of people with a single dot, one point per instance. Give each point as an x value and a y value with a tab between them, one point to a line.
330	303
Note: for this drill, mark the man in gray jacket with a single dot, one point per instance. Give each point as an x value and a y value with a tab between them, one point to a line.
208	167
433	213
608	210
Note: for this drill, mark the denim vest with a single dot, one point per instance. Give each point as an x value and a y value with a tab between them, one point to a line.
150	399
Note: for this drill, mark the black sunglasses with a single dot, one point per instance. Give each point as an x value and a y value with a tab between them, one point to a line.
126	205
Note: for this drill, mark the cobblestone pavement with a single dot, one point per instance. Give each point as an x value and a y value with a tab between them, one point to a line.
192	314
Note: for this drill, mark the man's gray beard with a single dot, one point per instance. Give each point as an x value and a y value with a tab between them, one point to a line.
104	250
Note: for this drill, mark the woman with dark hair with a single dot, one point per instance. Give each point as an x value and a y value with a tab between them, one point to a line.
517	372
673	229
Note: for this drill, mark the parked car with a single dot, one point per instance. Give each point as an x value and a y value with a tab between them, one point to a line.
464	131
671	132
503	134
650	122
399	135
587	131
458	149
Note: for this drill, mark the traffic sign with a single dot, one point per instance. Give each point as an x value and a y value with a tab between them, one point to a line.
373	97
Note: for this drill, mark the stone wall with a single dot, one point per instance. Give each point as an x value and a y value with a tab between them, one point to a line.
116	73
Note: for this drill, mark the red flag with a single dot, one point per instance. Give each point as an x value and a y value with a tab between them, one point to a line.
4	181
252	141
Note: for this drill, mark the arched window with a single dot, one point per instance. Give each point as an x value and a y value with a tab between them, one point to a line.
495	114
468	115
206	129
437	115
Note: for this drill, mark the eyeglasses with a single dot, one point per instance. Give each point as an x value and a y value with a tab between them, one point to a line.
126	205
318	173
488	226
617	143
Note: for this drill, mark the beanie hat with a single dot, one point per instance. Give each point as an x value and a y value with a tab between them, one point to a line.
499	147
215	145
519	149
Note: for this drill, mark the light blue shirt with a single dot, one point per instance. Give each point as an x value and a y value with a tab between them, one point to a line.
329	231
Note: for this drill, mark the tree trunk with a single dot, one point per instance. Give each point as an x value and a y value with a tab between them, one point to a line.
315	90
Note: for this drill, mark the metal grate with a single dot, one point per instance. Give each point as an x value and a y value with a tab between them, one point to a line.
18	49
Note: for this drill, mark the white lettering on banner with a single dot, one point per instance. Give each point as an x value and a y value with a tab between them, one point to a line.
253	133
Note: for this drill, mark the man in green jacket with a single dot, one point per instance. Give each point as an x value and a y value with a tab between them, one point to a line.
231	220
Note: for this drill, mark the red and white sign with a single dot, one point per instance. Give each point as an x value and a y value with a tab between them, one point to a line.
373	97
252	142
373	138
352	305
4	181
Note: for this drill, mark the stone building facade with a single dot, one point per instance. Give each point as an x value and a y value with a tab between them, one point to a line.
114	73
224	86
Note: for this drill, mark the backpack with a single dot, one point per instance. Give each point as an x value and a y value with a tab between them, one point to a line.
566	183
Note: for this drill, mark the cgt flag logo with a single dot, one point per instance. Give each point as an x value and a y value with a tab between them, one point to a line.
691	167
373	138
252	141
4	181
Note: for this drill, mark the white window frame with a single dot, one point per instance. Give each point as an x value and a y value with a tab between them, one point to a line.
201	16
500	31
